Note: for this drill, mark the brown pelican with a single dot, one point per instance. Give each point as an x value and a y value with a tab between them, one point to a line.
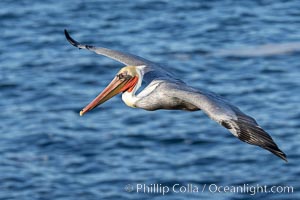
164	91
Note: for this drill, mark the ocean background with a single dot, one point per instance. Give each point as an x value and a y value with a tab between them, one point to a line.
246	51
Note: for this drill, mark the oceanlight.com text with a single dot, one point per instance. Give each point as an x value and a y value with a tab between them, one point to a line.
211	188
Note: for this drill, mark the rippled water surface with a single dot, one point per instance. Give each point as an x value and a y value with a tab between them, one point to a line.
247	51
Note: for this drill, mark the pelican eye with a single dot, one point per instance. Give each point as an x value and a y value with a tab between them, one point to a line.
123	75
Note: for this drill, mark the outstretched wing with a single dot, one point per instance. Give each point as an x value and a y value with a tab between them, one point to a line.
151	71
125	58
239	124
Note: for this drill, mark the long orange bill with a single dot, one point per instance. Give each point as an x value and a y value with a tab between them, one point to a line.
116	86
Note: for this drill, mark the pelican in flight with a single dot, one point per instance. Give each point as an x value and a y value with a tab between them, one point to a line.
164	91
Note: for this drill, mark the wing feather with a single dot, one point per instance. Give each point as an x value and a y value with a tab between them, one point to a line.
125	58
151	71
239	124
250	132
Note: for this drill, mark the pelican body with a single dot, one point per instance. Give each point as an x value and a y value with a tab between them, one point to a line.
164	91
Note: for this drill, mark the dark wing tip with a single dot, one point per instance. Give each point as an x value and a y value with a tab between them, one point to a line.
275	150
71	40
247	130
283	156
257	136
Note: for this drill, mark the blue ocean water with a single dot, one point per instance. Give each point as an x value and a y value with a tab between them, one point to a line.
246	51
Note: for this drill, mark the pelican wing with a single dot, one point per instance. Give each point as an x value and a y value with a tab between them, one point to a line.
125	58
152	70
239	124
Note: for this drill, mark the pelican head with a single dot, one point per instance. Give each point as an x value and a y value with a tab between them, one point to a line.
126	81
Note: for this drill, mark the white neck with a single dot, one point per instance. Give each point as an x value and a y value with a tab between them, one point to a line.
130	98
